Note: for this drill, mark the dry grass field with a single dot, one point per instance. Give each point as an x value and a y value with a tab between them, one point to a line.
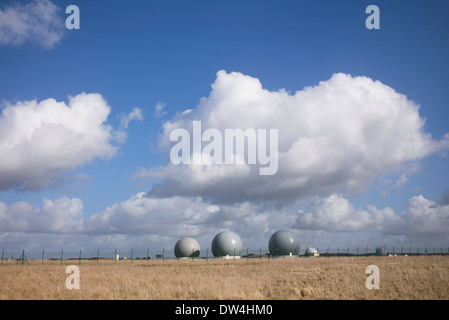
421	277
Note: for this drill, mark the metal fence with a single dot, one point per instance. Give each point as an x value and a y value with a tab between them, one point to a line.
130	256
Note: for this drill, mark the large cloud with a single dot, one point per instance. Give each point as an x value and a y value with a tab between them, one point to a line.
40	140
39	21
336	136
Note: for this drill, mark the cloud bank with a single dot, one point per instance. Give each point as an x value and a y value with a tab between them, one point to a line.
169	219
39	21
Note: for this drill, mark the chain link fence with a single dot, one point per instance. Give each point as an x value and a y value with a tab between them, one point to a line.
131	256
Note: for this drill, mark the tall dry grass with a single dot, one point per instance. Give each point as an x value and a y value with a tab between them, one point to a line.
422	277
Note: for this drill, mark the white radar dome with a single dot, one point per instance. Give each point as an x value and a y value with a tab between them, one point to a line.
284	243
226	243
187	248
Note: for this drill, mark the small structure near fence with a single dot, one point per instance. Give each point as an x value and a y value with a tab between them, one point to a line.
381	251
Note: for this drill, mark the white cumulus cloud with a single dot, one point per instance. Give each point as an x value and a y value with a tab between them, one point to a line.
336	213
338	135
421	217
159	110
39	21
40	140
135	114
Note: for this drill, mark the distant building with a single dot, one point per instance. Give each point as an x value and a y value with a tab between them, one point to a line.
381	251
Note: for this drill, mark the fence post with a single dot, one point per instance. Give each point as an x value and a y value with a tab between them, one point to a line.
163	255
3	252
328	252
23	255
42	257
132	251
148	254
338	252
260	253
62	255
115	256
207	254
98	255
80	257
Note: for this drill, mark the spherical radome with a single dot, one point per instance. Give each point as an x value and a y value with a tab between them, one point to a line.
283	243
226	243
187	248
311	252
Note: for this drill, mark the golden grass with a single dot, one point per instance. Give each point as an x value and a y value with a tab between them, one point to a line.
422	277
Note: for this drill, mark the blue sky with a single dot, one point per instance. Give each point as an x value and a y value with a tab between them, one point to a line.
138	54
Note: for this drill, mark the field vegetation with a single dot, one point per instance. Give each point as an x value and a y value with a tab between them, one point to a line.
418	277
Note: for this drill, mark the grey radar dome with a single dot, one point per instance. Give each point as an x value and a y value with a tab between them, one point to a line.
226	243
187	248
283	243
311	252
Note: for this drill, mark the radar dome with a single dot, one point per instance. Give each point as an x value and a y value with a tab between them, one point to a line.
283	243
226	243
187	248
311	252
